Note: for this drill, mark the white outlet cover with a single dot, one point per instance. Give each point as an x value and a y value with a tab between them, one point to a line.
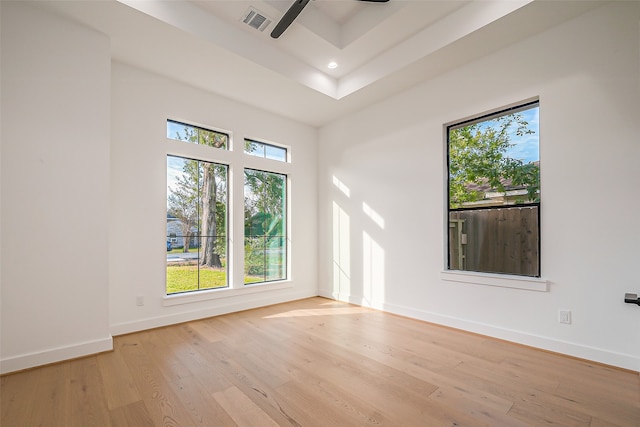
564	316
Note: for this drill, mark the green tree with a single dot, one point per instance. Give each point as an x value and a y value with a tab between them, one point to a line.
477	156
264	203
265	222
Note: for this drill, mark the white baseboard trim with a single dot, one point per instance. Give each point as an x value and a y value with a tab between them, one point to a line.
599	355
59	354
222	306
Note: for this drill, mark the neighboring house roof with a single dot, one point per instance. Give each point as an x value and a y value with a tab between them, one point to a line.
494	197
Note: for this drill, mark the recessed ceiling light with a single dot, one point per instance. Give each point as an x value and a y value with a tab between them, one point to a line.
332	65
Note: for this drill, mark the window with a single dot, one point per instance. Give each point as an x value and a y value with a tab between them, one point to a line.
268	151
494	192
196	225
265	225
196	135
200	215
196	214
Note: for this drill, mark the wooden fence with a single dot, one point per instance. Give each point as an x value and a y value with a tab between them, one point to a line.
501	240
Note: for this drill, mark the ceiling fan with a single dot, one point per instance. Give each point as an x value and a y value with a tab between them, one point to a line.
294	10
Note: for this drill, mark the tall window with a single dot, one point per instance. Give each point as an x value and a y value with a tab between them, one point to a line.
199	253
265	225
196	215
494	192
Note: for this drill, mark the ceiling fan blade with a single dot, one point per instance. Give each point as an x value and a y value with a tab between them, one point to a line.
288	17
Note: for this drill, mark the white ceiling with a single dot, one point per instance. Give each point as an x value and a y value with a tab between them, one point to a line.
381	48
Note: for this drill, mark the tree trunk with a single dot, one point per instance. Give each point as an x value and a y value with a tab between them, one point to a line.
209	189
186	240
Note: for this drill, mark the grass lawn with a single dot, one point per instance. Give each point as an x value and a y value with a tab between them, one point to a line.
180	250
184	278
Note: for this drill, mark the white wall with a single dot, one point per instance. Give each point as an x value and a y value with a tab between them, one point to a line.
141	104
55	189
391	158
83	192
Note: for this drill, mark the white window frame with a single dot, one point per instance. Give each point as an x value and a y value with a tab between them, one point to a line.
235	158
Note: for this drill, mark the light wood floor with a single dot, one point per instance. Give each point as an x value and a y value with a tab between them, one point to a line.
318	362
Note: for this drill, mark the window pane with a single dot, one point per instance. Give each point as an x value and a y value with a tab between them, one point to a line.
214	277
196	135
275	153
494	166
267	151
254	148
182	197
176	130
495	161
254	260
503	240
212	139
275	258
265	226
196	216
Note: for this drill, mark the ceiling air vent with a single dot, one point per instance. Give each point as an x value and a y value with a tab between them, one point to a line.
256	19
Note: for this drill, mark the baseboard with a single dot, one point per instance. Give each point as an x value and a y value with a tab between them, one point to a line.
598	355
221	307
59	354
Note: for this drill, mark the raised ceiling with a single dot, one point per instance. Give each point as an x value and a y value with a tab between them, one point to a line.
380	48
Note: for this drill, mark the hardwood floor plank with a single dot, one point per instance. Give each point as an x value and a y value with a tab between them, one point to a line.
164	407
238	371
204	410
206	330
602	400
484	407
17	397
242	409
52	398
88	400
133	414
549	414
316	404
117	381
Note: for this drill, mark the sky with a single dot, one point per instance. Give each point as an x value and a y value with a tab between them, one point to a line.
527	147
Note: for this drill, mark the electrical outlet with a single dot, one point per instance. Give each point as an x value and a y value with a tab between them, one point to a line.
564	316
139	300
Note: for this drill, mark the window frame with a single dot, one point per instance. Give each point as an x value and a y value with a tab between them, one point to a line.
533	283
265	145
236	160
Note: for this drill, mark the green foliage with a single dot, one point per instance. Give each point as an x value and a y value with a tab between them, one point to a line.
254	257
265	223
265	197
477	158
250	146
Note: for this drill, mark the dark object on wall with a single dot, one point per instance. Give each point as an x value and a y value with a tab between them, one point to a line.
631	299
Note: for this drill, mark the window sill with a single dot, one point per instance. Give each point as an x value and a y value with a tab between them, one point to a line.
501	280
199	296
